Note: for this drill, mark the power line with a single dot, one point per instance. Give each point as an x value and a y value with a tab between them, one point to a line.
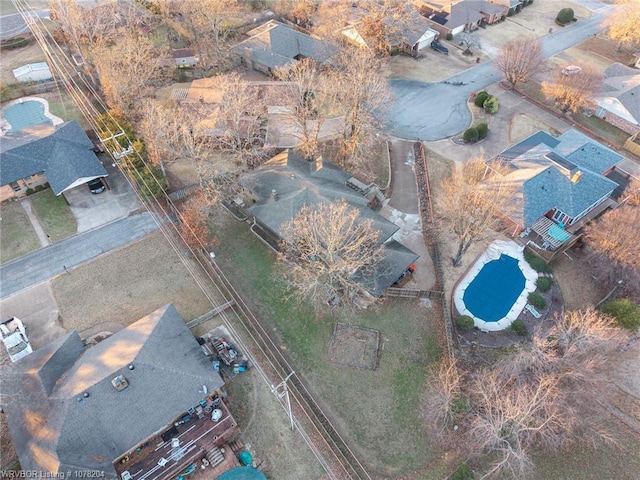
75	84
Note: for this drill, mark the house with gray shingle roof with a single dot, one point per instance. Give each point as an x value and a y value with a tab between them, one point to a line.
275	44
407	31
563	179
460	16
285	184
67	413
64	158
619	103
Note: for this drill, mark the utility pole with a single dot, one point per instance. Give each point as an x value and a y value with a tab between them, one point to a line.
281	392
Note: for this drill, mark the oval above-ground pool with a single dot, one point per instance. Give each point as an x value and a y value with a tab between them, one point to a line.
242	473
495	289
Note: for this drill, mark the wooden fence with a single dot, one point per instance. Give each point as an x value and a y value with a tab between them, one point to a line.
412	293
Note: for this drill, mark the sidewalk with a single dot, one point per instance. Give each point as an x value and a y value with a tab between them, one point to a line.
403	209
43	238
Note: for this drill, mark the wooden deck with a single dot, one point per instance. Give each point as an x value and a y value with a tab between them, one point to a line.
157	459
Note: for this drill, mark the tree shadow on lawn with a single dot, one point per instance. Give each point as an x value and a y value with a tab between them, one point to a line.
377	411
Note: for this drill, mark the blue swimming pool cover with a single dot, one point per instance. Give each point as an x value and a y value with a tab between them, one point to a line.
242	473
25	114
495	289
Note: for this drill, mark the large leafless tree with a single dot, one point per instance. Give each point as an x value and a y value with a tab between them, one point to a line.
542	396
518	59
573	92
470	207
84	24
622	24
240	118
363	97
328	252
309	100
210	23
127	65
614	240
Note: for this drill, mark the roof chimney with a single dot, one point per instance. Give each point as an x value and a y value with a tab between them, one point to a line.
575	178
119	383
274	194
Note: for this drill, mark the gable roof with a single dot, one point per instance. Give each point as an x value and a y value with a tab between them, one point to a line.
56	428
564	173
452	15
622	92
411	27
300	183
275	44
65	156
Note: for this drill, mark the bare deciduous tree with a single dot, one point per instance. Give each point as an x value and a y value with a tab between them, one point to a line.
309	102
84	24
622	24
382	26
240	118
614	241
544	395
301	12
328	250
470	209
210	22
573	92
444	396
126	66
363	96
509	419
518	59
193	227
616	235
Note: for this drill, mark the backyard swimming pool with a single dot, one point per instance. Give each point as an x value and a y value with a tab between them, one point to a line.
25	112
495	289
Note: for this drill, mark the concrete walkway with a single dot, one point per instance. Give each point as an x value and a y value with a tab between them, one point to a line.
403	209
43	238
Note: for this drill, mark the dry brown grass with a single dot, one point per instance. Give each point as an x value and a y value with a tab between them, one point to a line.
125	285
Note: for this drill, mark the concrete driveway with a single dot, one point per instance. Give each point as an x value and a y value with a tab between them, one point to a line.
433	111
38	310
94	210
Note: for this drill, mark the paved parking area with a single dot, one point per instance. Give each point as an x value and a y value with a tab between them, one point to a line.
94	210
38	310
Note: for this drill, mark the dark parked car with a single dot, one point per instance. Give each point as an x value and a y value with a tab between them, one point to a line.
437	46
96	185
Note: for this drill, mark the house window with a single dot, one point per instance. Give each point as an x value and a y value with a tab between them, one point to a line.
560	217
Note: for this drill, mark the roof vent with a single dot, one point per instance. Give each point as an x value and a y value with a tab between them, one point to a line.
85	394
131	367
119	383
274	194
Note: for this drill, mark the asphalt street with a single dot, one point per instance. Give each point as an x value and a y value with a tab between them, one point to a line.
61	257
433	111
12	25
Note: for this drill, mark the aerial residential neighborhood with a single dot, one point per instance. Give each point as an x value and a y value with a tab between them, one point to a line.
320	239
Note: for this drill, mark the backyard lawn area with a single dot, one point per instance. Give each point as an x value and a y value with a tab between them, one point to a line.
17	236
54	215
377	411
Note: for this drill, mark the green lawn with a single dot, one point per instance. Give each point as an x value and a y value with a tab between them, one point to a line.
602	128
588	463
54	215
17	236
377	411
66	109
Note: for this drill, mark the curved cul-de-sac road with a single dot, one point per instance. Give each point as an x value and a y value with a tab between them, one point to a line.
433	111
